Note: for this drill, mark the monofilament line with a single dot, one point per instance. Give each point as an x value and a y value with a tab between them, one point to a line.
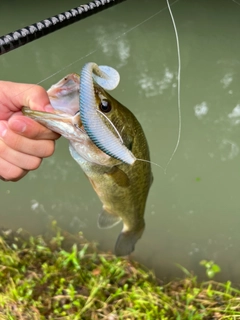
178	92
236	2
98	47
110	42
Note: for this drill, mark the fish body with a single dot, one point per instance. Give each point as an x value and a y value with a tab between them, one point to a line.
122	188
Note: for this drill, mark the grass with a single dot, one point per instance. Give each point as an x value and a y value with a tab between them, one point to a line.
59	276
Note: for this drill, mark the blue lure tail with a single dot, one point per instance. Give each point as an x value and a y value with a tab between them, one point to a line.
108	78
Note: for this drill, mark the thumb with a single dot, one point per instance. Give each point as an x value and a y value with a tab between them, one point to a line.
18	95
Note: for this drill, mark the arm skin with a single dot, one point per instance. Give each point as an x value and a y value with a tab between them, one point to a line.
23	142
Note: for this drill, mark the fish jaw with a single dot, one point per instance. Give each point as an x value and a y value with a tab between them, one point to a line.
60	122
65	120
70	127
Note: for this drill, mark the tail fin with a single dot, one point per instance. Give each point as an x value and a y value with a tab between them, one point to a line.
126	241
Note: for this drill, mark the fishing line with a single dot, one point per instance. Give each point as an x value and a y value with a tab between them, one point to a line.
120	138
178	92
113	126
67	66
55	73
236	2
99	47
113	40
151	162
110	42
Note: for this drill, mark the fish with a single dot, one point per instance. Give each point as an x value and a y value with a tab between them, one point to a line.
122	188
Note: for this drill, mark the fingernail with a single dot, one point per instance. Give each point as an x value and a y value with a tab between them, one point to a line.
48	108
18	126
3	128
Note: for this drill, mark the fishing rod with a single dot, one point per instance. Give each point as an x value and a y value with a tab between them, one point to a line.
20	37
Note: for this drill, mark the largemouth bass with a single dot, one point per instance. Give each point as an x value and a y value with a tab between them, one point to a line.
122	188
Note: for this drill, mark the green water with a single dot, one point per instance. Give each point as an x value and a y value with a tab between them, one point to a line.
192	211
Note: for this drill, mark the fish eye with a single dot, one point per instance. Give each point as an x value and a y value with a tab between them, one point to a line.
105	106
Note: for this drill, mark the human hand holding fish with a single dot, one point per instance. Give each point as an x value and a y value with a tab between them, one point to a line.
23	142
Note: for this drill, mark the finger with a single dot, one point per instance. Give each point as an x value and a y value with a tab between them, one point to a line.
12	140
10	172
29	95
30	128
22	160
35	97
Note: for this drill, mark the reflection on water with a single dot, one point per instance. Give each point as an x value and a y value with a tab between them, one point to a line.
201	110
192	211
153	86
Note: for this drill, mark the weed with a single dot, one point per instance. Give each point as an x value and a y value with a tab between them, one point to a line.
61	276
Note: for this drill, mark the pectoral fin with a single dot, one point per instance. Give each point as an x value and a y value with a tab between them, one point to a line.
119	177
107	220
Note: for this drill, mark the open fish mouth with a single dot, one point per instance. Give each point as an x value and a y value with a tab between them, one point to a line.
71	128
64	95
65	118
65	124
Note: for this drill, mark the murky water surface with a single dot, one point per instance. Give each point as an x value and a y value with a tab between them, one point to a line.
193	211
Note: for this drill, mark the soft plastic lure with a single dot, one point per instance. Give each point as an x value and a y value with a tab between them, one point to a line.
108	78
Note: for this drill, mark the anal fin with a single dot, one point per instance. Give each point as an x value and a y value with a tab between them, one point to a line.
107	220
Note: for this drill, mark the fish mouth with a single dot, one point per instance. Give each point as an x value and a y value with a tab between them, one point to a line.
69	126
67	91
65	116
64	95
65	119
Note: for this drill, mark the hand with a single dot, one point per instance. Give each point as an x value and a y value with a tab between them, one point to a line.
23	142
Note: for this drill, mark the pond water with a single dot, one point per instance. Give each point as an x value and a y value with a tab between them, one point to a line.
193	210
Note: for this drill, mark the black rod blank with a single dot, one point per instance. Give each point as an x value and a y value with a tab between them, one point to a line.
39	29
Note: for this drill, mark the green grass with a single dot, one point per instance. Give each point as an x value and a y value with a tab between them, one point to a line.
64	277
